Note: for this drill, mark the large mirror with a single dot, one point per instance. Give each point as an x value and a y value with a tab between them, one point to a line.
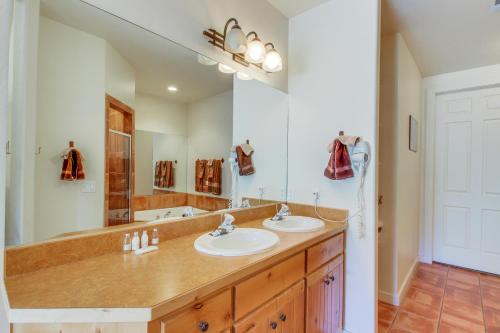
110	124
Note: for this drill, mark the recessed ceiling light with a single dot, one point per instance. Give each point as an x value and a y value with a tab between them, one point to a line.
172	88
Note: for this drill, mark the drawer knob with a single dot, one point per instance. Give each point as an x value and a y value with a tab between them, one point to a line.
274	325
327	281
332	278
203	325
283	317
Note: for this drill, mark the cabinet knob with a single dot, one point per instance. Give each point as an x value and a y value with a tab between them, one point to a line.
274	325
327	281
283	317
332	278
203	325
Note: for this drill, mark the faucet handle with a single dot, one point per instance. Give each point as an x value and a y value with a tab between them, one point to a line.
285	210
228	220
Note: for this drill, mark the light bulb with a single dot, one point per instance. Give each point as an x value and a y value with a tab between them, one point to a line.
172	88
226	69
235	41
256	51
272	61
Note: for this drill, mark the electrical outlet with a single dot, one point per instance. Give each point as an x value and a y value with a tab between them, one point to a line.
89	186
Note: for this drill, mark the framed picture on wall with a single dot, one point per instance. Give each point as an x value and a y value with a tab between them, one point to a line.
413	134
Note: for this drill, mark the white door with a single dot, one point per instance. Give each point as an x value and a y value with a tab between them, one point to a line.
467	220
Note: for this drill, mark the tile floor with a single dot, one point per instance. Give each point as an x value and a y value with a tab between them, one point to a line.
446	300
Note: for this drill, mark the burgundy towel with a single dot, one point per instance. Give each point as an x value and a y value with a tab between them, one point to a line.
339	165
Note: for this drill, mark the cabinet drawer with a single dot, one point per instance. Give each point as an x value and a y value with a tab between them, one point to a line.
212	315
254	291
325	251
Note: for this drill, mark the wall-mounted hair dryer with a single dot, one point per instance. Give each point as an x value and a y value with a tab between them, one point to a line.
360	157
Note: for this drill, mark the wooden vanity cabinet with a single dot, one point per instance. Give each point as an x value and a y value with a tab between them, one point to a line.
301	294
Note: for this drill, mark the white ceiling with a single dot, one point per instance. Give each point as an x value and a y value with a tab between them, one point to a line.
157	61
446	35
291	8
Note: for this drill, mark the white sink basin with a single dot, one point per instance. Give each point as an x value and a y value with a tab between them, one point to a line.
295	224
240	242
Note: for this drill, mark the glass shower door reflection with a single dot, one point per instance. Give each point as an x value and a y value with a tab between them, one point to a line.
119	163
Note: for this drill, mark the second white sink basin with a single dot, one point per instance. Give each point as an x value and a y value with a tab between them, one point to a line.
295	224
240	242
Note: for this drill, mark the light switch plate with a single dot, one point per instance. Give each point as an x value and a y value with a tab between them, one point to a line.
89	186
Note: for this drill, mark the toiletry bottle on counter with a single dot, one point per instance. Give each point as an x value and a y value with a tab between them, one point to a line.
127	245
154	238
144	239
136	242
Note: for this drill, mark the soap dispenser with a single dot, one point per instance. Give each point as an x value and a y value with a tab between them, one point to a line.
144	240
136	242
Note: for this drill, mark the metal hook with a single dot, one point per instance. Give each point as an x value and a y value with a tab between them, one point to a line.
39	150
7	148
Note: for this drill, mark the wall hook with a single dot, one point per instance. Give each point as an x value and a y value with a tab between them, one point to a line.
7	148
38	151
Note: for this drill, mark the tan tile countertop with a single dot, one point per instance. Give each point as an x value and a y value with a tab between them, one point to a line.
126	288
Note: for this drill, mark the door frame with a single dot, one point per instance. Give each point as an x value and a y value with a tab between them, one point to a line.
116	104
432	87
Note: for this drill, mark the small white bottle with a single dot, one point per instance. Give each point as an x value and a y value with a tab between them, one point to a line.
154	238
144	239
127	245
136	242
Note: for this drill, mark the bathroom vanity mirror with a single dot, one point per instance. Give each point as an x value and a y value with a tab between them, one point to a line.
111	124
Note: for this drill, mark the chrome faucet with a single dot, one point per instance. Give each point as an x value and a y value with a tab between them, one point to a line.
284	211
226	226
167	214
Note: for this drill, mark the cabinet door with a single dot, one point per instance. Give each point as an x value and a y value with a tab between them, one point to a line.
259	321
325	299
290	305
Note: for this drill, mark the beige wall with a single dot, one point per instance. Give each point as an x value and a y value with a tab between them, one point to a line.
333	82
75	70
400	168
156	114
5	20
184	21
210	135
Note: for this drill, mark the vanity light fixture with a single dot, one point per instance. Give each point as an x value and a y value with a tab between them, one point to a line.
172	89
206	60
272	61
243	76
226	69
245	49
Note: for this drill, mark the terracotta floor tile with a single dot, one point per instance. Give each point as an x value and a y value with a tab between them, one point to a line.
491	297
414	323
491	320
462	310
462	296
463	286
387	312
424	285
424	297
463	275
454	324
420	309
433	279
383	327
433	268
490	280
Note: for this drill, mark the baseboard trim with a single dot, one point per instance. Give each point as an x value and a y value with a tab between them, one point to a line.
406	283
397	298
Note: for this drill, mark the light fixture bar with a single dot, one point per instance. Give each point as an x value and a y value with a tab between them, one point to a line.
217	39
